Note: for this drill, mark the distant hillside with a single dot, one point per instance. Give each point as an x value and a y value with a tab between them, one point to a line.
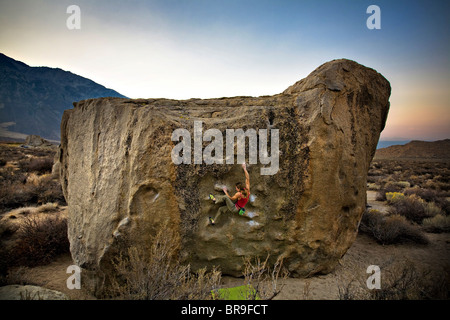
416	150
388	143
32	99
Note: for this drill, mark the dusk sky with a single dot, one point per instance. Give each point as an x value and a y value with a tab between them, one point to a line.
208	48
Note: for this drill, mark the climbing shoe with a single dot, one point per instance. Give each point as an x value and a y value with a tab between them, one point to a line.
212	197
211	220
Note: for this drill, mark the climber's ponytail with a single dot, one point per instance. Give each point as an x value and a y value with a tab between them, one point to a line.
242	189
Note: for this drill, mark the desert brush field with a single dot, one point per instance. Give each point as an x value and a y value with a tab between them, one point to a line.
404	231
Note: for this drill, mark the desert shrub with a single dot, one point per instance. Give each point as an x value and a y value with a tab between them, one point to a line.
15	195
411	207
36	190
48	207
9	175
431	209
39	165
373	186
389	189
444	186
392	186
393	197
372	178
50	190
444	204
376	165
5	263
262	279
25	180
40	239
437	185
429	195
152	272
403	184
390	229
381	195
437	224
374	174
405	282
399	281
430	184
426	194
444	177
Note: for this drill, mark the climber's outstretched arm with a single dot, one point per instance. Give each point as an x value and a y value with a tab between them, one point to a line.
247	177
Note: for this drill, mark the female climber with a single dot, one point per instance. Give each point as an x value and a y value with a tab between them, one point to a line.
236	203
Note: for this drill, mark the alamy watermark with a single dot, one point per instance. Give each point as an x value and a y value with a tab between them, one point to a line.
213	152
73	22
74	281
374	280
374	20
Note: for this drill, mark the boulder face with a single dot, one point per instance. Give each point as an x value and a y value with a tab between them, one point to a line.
119	170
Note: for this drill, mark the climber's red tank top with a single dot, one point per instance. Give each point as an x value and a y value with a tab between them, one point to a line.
242	202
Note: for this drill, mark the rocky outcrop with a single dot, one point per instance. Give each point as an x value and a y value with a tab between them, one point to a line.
37	141
119	171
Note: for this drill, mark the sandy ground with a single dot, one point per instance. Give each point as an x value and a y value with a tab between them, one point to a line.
363	253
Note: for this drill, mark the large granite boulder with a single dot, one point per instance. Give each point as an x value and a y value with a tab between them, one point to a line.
123	166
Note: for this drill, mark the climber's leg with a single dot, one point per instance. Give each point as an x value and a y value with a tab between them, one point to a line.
220	199
219	212
230	205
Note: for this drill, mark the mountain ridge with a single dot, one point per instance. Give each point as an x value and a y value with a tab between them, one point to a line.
33	99
416	149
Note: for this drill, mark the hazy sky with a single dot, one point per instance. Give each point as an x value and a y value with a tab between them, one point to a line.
209	48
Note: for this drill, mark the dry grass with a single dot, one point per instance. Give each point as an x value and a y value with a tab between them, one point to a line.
263	280
152	272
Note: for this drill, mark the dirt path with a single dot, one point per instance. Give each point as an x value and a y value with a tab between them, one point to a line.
53	276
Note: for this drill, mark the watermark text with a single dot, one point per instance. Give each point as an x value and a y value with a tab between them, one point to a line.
213	153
